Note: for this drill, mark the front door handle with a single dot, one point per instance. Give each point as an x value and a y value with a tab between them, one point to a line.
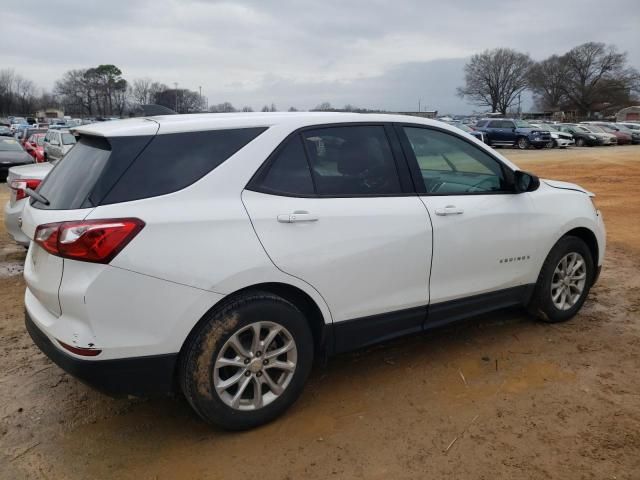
297	217
449	210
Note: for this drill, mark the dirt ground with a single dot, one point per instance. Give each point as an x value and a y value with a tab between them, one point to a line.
500	396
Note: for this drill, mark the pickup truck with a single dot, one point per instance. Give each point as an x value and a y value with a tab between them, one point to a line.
512	132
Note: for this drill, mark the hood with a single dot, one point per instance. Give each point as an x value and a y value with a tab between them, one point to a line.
567	186
36	170
15	157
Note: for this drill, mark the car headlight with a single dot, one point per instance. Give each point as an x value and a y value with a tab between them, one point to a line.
555	135
593	202
592	137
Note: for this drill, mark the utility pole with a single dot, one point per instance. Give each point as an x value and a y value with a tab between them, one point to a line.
176	90
519	110
419	100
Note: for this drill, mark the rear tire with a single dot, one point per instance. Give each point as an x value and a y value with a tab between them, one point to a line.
564	281
522	143
231	372
580	142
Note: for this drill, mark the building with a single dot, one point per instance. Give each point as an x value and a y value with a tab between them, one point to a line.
49	113
629	114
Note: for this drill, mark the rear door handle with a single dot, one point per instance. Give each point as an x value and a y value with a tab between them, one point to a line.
449	210
297	217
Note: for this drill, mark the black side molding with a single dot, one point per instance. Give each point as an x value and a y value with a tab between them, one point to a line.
138	376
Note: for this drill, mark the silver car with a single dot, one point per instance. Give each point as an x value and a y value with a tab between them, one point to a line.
18	179
57	143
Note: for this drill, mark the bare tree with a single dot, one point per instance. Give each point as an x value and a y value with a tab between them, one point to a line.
225	107
247	109
293	109
595	73
141	91
495	78
548	82
323	107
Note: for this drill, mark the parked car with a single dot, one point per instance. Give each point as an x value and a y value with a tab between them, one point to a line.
226	252
511	132
11	154
581	136
24	134
57	144
630	125
606	137
471	131
5	131
19	179
559	139
623	137
34	146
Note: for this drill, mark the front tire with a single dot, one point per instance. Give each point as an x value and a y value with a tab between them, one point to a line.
247	362
564	281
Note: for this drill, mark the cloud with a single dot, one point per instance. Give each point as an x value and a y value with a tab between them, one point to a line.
371	53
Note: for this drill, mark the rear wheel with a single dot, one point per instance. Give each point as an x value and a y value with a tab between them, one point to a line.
522	143
580	142
248	361
564	281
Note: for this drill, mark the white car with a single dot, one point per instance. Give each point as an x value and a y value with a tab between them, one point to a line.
559	139
57	144
219	254
19	179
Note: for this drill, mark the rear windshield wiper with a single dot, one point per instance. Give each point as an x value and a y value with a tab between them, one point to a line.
36	196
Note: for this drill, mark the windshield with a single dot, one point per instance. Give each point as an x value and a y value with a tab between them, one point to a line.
9	145
523	124
594	129
40	140
68	139
463	127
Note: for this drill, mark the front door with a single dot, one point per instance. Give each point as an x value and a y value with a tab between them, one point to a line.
330	208
480	244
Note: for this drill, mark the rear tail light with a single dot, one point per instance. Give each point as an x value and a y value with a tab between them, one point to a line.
21	184
97	241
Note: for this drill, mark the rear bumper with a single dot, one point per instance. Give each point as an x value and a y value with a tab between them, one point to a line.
139	376
12	214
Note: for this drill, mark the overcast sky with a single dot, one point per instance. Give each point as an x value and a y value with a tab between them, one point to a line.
370	53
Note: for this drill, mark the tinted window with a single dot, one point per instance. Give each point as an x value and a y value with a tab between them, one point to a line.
174	161
355	160
450	165
482	123
289	173
70	181
68	139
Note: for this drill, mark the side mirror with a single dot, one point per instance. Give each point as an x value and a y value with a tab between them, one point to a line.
525	182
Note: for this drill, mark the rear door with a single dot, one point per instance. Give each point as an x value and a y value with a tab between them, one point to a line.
334	207
480	241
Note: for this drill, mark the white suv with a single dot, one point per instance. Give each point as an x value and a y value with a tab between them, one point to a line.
219	254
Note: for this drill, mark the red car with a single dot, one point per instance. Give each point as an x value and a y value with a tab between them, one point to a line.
34	146
623	137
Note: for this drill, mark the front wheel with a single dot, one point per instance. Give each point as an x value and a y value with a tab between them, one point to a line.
522	143
564	281
248	362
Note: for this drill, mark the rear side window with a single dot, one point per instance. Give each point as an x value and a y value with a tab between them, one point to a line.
99	171
352	161
174	161
289	173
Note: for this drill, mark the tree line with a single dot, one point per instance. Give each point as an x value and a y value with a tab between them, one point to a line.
588	78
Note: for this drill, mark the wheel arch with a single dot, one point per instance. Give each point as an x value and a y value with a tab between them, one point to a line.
588	237
312	311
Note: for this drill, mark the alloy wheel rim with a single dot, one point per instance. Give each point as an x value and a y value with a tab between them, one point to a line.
569	280
255	366
522	143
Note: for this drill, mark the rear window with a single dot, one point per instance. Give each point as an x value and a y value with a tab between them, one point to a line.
100	171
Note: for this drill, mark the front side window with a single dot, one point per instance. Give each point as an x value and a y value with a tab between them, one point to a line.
449	165
352	161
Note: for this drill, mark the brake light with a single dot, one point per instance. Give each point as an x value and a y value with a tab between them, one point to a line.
21	184
97	241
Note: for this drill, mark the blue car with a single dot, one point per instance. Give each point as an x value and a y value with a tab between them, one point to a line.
466	128
508	132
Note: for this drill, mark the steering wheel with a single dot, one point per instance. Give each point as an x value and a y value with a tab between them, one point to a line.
476	186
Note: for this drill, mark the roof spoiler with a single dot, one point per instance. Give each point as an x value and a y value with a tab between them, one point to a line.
151	110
